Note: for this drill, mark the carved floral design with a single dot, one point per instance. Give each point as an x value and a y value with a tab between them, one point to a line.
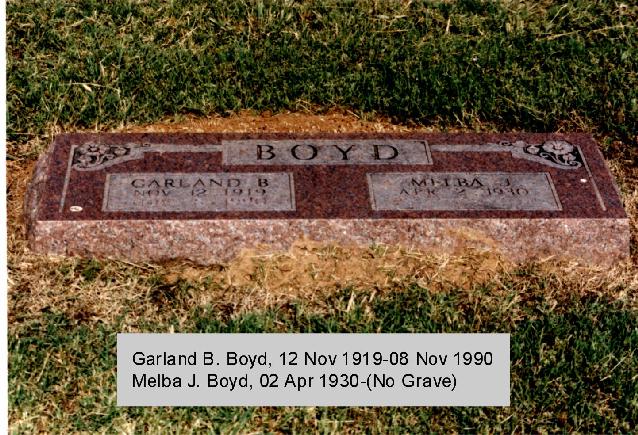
558	147
94	156
558	152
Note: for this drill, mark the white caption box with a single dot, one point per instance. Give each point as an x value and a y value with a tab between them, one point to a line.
313	369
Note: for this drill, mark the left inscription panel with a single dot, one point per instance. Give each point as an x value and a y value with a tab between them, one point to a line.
180	192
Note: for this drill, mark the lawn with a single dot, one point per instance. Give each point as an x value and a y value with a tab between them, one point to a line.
323	66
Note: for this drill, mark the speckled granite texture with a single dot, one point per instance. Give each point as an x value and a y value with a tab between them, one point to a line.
331	202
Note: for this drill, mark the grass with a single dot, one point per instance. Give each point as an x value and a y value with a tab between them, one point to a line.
467	64
573	354
527	65
573	365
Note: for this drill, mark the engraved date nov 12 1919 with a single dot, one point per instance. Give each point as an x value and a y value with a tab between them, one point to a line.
184	192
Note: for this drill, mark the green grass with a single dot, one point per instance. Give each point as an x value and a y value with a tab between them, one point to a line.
534	66
572	366
537	66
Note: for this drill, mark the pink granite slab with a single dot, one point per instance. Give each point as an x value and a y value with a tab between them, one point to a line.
205	197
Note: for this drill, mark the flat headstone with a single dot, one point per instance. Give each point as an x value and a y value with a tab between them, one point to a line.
206	197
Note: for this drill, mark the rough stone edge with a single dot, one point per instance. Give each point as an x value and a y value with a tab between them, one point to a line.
33	193
592	241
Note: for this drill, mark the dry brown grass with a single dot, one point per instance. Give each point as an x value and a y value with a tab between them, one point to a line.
308	271
333	121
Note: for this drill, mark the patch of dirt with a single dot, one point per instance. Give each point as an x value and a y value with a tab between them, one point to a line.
309	266
246	121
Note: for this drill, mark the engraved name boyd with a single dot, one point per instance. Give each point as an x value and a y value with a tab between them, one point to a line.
325	151
462	191
176	192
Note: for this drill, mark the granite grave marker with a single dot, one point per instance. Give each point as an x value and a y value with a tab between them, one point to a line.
206	197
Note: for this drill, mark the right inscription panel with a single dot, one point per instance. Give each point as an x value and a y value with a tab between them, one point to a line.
462	191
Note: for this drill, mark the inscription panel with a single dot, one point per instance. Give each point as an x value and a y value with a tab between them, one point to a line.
180	192
326	152
462	191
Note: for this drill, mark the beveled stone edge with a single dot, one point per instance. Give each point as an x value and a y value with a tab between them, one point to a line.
600	241
35	188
